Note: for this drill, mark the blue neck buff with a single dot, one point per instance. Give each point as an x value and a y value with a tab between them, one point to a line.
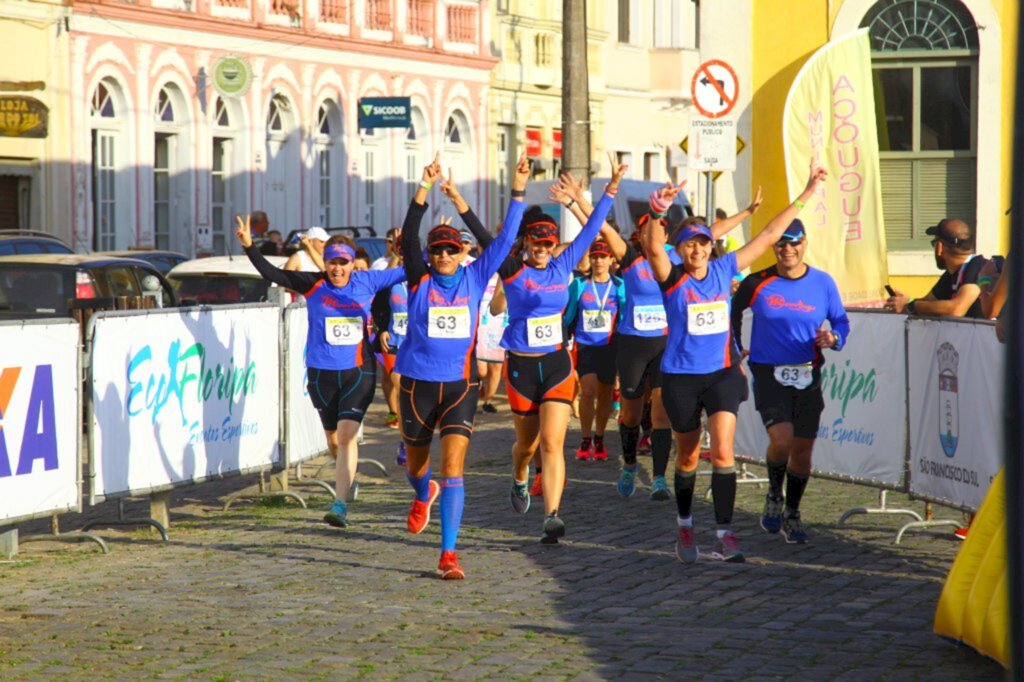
448	281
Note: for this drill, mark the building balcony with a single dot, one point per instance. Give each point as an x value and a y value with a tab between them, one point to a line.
453	26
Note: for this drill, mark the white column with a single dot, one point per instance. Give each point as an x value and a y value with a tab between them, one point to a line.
81	146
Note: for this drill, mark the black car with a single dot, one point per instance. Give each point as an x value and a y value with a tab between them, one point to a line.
18	242
51	285
163	261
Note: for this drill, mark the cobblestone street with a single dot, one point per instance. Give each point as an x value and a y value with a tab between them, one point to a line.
267	591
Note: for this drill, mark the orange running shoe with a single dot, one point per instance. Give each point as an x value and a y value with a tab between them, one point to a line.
419	512
536	489
448	568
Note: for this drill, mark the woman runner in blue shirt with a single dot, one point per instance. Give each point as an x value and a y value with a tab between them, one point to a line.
341	368
539	376
700	367
437	360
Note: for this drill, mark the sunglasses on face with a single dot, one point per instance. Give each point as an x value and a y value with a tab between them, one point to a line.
544	243
782	245
449	249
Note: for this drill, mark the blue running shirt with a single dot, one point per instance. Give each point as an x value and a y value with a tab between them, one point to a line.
644	311
596	312
537	297
787	315
699	334
441	341
338	316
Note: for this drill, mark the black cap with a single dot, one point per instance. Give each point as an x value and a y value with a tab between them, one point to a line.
954	232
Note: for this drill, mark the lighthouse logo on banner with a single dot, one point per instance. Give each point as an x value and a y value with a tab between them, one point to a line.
949	407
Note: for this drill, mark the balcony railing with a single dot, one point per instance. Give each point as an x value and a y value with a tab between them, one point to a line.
379	15
454	24
461	21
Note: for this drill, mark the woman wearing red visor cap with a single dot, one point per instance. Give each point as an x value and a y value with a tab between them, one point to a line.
539	375
437	362
340	364
700	367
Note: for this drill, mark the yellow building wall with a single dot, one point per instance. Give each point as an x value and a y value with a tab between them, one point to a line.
776	62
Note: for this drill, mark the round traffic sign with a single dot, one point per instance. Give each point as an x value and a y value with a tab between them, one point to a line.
715	88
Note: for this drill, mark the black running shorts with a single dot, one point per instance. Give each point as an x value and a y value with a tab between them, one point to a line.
426	405
638	358
341	394
801	407
685	395
599	360
532	380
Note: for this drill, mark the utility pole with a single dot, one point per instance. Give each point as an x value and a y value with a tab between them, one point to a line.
575	91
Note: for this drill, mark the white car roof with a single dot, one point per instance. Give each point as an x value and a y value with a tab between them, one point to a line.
222	265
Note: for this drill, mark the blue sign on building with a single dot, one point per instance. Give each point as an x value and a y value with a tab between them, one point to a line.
384	112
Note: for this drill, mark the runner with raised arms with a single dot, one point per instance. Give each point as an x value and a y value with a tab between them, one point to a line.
539	376
341	368
437	361
700	367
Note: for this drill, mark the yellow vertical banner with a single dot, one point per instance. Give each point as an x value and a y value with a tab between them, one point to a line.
830	116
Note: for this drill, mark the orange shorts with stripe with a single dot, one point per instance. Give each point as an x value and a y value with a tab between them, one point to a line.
530	381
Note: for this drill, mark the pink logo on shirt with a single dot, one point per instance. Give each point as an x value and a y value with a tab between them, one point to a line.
778	302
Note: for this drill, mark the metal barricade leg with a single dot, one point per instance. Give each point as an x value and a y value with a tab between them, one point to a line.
882	508
159	516
264	493
56	536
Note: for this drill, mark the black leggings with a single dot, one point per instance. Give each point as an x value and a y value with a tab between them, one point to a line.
426	404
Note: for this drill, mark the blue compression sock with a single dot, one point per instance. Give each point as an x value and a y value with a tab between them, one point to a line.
421	485
453	498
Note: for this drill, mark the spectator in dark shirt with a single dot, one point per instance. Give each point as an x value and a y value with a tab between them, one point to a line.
273	245
957	292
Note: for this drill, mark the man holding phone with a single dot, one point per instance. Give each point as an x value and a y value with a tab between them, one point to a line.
790	302
957	293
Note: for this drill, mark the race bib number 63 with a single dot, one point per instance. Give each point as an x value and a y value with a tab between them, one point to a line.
449	322
343	331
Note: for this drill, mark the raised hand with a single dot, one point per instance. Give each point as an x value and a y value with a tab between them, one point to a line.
432	171
449	188
817	176
756	203
522	173
244	233
618	171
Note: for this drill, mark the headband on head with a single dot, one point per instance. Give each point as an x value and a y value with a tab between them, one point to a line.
338	250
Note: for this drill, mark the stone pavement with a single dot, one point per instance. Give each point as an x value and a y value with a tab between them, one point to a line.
266	591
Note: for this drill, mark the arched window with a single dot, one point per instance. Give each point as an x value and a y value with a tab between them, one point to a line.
170	159
276	115
458	154
228	184
327	153
452	134
925	61
282	178
221	116
110	219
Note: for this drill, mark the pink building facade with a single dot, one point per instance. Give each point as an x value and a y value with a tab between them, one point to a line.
160	158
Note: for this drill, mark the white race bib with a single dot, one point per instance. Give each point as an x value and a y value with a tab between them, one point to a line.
449	322
647	318
597	321
343	331
797	376
544	331
401	321
707	318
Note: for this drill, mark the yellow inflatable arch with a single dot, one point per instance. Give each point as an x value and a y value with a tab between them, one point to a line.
973	607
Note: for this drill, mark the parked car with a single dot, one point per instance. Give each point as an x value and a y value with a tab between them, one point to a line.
364	236
16	242
51	285
163	261
221	279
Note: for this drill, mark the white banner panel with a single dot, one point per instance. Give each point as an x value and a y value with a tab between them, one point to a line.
862	433
956	433
40	419
181	396
304	434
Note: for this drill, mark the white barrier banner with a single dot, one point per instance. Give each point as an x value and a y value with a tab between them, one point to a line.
862	432
40	419
181	396
304	434
956	409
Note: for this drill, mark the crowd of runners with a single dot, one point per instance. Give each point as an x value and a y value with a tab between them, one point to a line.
650	321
